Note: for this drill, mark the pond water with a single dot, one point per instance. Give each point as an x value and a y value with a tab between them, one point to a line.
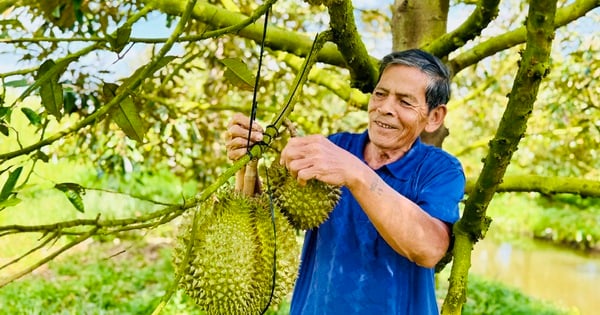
542	271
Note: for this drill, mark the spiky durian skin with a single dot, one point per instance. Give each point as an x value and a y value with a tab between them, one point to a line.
280	241
220	274
230	269
306	207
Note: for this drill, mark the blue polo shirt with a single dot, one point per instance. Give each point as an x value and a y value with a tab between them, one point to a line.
348	268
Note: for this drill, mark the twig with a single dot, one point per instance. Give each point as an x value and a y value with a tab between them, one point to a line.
48	258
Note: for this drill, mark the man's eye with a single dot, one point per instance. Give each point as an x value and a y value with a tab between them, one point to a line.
406	103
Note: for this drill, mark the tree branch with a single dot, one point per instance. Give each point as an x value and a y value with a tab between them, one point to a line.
277	38
485	12
545	185
507	40
363	70
474	223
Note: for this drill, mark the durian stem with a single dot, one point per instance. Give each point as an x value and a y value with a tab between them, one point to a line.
239	179
250	177
290	127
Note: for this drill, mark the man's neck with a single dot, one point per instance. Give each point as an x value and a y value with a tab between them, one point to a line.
377	157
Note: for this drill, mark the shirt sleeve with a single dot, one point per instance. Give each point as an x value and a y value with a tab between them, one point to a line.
441	189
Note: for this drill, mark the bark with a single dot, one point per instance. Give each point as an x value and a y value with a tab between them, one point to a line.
544	185
416	23
473	225
299	44
363	70
484	13
564	16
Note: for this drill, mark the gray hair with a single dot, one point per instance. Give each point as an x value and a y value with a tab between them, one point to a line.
438	89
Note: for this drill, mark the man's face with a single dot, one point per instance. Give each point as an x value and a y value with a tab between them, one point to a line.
397	108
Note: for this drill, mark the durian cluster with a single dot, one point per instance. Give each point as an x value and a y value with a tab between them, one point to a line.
240	242
305	206
230	266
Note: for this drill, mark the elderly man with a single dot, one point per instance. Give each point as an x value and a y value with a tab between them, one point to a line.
376	252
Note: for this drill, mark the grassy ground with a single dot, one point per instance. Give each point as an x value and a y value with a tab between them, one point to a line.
130	277
130	273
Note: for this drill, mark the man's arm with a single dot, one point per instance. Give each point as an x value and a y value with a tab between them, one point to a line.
407	228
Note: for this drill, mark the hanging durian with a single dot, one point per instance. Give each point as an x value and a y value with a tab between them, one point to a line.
284	247
220	275
230	269
306	207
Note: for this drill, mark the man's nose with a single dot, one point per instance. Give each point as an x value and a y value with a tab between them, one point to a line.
386	107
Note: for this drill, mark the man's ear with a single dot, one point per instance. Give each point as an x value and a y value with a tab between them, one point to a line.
435	118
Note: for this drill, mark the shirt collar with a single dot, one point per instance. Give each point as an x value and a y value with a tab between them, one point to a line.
404	167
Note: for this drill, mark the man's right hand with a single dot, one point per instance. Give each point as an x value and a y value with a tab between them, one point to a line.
237	135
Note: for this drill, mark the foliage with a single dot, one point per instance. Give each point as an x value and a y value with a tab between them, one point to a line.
570	221
488	297
562	219
127	278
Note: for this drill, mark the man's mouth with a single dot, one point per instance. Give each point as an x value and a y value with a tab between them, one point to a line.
385	126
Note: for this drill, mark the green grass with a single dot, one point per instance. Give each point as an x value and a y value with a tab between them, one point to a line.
129	278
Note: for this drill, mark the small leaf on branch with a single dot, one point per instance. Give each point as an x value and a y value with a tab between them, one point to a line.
129	120
73	191
161	63
119	40
69	102
3	129
51	91
11	202
5	112
10	183
238	73
126	115
16	83
32	116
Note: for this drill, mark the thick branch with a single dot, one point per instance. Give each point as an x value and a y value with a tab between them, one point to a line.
485	12
363	70
277	38
473	224
545	185
507	40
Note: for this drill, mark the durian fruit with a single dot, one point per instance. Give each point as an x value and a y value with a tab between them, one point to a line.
306	207
230	269
278	240
220	274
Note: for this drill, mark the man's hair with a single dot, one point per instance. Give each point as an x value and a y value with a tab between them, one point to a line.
438	88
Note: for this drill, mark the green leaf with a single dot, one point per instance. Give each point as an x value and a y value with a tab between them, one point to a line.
32	116
5	112
39	155
70	186
109	90
3	129
120	39
51	91
238	73
16	83
129	120
126	115
73	191
69	102
161	63
9	202
10	183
